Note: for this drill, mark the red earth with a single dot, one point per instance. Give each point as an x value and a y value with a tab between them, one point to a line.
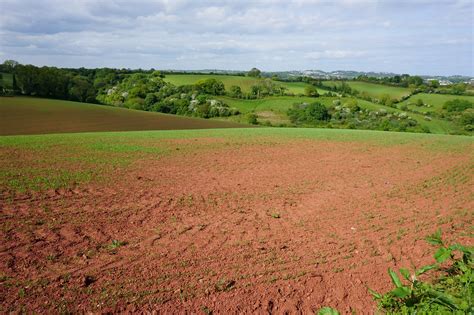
258	228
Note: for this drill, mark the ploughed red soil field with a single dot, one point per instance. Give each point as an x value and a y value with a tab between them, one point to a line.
231	222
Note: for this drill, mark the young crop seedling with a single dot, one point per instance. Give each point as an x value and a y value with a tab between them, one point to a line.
224	285
115	245
206	310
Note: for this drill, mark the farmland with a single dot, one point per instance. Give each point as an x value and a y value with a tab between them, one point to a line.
186	79
221	219
435	125
245	83
229	220
435	101
374	90
237	157
26	115
250	99
273	109
299	87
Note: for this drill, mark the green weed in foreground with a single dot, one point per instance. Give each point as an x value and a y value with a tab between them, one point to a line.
115	245
328	311
451	292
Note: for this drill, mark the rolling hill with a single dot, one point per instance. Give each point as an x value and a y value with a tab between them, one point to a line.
373	90
245	83
27	115
435	101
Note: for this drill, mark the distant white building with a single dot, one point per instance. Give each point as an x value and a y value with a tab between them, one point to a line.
441	82
445	82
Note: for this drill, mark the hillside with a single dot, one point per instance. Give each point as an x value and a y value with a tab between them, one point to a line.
187	79
432	102
273	110
373	90
245	83
27	115
242	99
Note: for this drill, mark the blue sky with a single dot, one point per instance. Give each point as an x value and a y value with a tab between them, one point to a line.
401	36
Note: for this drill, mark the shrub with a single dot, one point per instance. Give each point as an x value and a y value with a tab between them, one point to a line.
311	91
467	118
254	72
135	103
210	86
457	105
352	105
267	87
201	98
312	113
235	91
425	129
252	118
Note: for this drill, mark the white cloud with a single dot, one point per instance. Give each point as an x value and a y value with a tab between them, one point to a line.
360	34
335	54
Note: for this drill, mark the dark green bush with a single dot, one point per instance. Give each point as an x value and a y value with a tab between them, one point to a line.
309	113
457	105
252	118
210	86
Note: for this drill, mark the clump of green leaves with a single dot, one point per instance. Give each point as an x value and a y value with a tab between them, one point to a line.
328	311
308	113
451	292
276	215
224	285
252	118
115	245
206	310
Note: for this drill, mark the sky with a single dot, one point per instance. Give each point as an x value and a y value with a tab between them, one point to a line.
433	37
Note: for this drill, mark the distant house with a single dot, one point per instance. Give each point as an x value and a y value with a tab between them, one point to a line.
445	82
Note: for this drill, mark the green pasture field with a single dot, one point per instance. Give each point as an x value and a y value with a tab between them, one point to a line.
275	103
435	125
374	90
272	109
245	83
436	101
187	79
298	87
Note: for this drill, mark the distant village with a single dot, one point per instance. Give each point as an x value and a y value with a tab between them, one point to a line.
449	82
